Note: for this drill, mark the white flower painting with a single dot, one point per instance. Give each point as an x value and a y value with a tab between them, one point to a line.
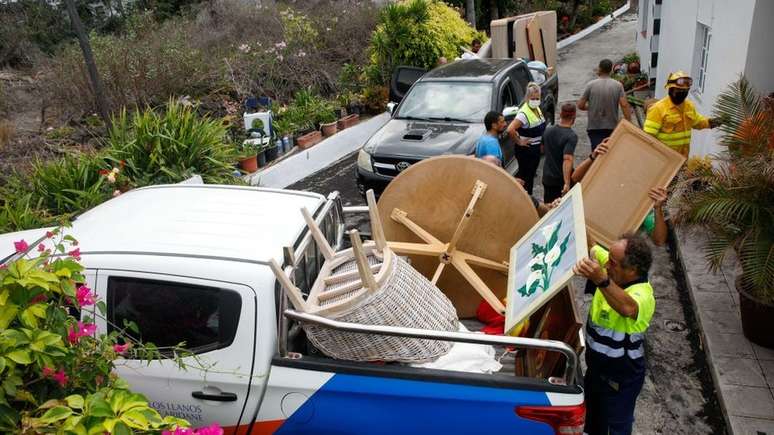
541	262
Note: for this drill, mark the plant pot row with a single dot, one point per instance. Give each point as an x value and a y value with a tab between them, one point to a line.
311	138
264	157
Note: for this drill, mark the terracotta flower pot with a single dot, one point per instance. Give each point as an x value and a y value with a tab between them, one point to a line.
309	140
634	67
328	129
249	164
756	317
348	121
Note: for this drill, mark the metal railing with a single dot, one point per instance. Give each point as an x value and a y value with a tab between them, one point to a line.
457	337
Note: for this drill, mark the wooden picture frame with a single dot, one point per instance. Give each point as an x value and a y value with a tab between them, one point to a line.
559	319
541	261
615	189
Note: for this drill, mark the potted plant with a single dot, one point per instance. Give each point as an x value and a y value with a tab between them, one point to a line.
248	157
326	117
735	205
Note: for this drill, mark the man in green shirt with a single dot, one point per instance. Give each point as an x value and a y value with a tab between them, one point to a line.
619	316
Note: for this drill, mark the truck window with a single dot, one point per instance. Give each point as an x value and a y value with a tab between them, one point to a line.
520	77
169	313
507	95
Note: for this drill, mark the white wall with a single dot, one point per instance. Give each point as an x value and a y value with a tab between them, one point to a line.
730	22
646	42
760	51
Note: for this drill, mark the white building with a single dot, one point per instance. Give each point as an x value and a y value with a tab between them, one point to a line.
712	40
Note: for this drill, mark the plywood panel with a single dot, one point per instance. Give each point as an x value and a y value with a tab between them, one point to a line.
499	31
615	189
520	36
542	37
435	193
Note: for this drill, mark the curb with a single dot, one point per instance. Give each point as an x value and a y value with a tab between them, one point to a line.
309	161
589	30
713	370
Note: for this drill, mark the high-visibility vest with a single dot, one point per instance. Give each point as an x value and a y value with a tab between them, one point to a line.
536	124
615	339
672	124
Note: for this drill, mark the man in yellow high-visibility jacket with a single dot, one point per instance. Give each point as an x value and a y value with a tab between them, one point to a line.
671	119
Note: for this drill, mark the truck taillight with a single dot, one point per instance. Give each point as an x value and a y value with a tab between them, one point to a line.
566	420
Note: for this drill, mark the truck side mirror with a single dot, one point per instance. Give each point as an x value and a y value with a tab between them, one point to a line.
391	107
510	112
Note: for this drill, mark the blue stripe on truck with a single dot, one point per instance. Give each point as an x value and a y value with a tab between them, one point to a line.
352	404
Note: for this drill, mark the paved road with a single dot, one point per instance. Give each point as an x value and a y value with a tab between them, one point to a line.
678	396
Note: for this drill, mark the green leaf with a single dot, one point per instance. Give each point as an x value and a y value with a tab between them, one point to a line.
20	356
28	319
72	422
537	266
135	419
98	407
2	365
7	314
50	404
121	429
75	401
102	307
523	291
55	414
537	249
4	297
534	287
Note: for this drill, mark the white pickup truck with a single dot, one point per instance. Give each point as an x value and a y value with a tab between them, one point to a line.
189	263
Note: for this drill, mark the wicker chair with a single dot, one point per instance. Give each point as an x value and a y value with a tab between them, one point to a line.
369	284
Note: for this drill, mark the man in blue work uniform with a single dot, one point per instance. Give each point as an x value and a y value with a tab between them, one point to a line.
619	316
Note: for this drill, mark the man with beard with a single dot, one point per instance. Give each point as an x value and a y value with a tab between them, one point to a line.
671	119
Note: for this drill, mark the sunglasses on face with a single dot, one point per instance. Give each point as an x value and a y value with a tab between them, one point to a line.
686	82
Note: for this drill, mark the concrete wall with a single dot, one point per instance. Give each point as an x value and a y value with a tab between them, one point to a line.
647	42
730	23
760	51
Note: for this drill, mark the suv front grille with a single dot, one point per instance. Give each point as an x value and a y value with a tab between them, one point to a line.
392	166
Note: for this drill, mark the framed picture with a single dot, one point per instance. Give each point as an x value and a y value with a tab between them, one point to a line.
541	262
615	189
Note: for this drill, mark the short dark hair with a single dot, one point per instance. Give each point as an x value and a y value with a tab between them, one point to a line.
490	119
605	66
568	111
637	254
476	41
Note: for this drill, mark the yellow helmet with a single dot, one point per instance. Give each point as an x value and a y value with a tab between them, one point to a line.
680	80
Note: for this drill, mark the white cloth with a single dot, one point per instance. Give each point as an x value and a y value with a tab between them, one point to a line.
466	357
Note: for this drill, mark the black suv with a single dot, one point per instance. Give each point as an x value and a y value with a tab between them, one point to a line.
443	113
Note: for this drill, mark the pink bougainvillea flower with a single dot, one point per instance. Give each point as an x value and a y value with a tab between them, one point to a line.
87	329
61	377
214	429
49	234
41	247
178	431
75	253
21	246
85	296
121	348
48	372
84	329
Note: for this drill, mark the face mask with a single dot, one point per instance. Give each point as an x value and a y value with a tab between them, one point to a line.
534	104
678	95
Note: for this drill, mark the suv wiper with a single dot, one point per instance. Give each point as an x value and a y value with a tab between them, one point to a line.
448	119
414	118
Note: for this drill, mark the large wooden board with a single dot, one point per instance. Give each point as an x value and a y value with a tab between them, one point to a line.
615	189
542	37
435	193
520	36
501	41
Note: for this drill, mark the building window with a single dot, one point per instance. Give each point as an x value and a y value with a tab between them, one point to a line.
658	2
654	60
701	54
657	26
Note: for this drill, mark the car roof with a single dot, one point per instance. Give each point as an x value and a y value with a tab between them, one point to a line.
479	70
209	221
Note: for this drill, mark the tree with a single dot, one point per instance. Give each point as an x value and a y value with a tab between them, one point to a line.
91	65
470	9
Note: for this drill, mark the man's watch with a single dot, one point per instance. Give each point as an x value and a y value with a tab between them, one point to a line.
605	283
591	156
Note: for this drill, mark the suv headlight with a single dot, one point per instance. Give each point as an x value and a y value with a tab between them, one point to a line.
364	161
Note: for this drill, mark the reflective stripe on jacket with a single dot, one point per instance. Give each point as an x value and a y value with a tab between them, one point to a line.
618	341
672	124
536	124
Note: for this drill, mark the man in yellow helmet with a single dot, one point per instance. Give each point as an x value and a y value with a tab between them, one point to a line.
671	119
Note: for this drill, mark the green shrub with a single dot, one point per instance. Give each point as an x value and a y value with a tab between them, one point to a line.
57	372
20	211
170	146
72	184
306	111
144	66
416	33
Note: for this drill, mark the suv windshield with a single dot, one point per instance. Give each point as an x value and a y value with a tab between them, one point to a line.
455	101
